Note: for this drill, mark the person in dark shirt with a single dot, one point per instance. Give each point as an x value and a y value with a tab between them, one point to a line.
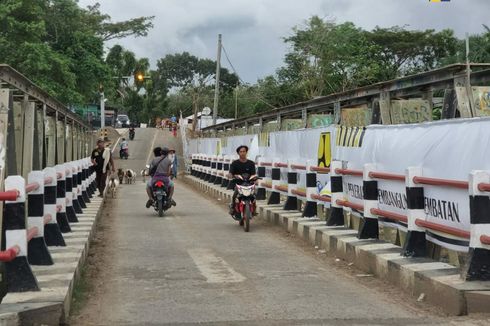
237	169
101	158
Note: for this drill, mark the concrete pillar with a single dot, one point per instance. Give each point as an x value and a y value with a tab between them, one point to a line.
19	273
37	252
50	140
60	141
52	231
28	141
69	143
38	140
5	105
18	126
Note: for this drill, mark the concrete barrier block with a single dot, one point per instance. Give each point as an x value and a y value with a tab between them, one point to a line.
361	253
331	235
313	227
301	227
478	301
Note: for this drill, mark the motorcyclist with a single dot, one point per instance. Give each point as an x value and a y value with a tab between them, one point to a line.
160	169
131	131
124	147
237	169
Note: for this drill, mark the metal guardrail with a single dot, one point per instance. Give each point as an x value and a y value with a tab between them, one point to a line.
418	84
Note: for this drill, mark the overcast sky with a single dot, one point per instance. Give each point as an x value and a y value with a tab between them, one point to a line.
253	29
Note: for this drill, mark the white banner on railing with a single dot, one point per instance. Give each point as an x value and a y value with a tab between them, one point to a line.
443	149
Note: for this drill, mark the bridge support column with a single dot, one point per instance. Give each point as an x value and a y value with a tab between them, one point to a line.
415	243
336	217
37	252
28	140
60	141
50	141
368	228
19	273
477	267
52	231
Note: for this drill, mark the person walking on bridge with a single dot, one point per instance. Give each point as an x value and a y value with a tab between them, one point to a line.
101	158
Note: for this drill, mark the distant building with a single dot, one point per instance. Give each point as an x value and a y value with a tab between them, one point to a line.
203	121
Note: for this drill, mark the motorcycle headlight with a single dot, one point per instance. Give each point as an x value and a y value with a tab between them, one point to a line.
247	191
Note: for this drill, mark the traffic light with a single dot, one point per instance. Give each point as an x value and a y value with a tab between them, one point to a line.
139	78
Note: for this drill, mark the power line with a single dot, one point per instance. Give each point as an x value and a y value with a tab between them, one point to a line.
258	97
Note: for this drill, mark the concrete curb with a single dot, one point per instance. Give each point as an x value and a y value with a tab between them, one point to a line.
437	283
51	305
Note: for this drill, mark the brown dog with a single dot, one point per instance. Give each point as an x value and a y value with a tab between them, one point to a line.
120	175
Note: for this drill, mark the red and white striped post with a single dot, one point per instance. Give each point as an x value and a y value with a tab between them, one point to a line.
336	217
19	273
368	228
478	263
275	196
415	243
261	192
38	253
310	209
291	203
52	231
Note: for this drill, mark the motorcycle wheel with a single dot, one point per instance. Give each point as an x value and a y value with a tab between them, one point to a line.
160	208
246	218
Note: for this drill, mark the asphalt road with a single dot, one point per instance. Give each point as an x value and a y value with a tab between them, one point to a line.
196	266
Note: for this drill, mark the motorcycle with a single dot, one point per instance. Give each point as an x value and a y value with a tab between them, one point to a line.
123	154
131	134
245	205
160	202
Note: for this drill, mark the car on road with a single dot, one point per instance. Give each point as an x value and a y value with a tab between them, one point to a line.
122	121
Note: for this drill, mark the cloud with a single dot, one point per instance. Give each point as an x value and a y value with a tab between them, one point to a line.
253	30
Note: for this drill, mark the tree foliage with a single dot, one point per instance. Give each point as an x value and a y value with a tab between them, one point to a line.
59	45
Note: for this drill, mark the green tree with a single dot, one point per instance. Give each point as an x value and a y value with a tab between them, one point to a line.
59	45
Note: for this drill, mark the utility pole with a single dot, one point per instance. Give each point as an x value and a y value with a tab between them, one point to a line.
216	87
236	101
102	109
468	76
